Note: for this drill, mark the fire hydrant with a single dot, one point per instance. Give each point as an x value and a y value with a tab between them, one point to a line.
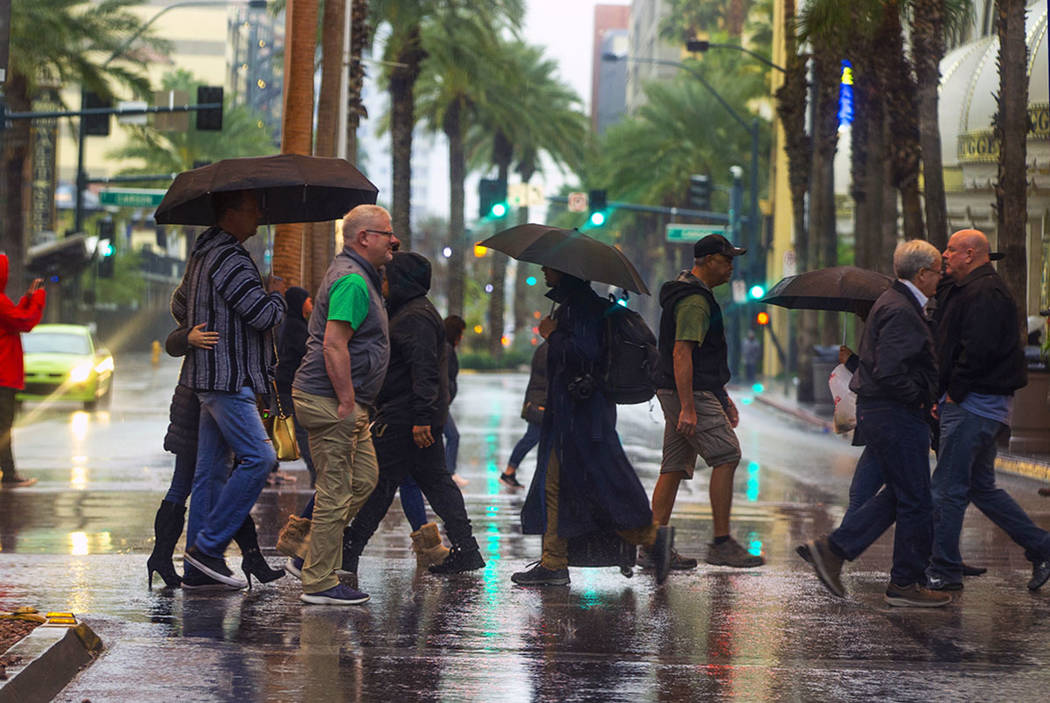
155	353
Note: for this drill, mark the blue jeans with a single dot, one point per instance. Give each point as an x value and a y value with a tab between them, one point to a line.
966	472
524	445
899	442
451	433
412	503
229	425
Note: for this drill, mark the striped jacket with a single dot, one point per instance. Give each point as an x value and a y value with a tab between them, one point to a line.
223	289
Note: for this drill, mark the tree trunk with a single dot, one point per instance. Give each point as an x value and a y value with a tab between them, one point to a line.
1011	131
867	119
296	123
13	185
322	236
502	154
457	175
402	121
355	107
927	50
890	211
823	239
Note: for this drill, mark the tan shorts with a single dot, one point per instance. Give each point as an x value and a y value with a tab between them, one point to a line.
714	438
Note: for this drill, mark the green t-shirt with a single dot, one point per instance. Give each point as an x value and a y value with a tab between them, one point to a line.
349	300
692	319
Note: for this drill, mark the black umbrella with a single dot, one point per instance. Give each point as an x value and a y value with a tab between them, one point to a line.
293	188
845	288
568	251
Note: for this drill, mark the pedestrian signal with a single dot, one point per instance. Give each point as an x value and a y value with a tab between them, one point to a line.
700	191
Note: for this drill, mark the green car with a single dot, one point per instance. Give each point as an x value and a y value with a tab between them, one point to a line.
64	362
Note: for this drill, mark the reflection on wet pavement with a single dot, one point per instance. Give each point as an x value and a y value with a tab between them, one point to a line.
79	540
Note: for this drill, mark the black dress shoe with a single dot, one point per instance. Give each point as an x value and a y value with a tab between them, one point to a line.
1040	574
972	570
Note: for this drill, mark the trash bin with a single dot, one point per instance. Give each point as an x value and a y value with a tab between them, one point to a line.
825	359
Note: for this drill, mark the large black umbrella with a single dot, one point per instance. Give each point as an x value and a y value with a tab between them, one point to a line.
292	188
845	288
569	251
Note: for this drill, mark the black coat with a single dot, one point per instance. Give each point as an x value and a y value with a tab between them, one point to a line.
599	490
293	333
415	391
896	352
185	411
978	337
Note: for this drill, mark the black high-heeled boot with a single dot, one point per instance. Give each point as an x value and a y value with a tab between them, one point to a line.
167	527
252	561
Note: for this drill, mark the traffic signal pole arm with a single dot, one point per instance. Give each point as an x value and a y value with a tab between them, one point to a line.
109	111
719	217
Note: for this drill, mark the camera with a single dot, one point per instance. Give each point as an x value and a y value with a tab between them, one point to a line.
581	387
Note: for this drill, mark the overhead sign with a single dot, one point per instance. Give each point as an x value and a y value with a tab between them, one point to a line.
140	119
691	233
524	194
132	197
577	202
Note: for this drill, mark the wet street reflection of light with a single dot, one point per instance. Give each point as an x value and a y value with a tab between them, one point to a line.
78	424
753	469
754	544
78	473
78	542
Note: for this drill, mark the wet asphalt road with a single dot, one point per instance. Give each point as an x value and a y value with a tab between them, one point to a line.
79	539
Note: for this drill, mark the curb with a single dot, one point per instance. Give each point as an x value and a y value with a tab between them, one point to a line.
1008	463
51	655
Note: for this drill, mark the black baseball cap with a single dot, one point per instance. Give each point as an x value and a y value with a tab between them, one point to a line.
716	244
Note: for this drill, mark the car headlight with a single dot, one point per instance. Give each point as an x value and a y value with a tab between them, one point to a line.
106	365
80	372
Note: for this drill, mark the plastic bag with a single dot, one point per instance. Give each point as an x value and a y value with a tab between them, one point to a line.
845	399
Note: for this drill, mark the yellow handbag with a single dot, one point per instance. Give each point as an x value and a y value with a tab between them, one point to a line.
280	427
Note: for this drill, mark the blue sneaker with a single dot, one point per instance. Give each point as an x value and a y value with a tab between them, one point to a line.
336	595
294	566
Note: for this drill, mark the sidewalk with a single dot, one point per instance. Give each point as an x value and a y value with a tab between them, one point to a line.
1035	466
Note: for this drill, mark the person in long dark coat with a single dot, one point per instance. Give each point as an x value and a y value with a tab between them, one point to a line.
584	482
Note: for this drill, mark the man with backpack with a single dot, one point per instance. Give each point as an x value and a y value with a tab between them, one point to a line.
583	484
698	413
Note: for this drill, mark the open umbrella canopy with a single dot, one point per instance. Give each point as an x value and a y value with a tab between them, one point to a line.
845	288
292	188
569	251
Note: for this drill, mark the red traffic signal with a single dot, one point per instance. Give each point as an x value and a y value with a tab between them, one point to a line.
762	318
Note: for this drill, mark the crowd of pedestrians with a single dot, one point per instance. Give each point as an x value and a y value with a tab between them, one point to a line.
369	367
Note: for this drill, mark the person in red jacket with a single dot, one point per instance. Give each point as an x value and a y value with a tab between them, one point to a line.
14	319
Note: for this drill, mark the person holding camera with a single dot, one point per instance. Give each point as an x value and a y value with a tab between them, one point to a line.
584	483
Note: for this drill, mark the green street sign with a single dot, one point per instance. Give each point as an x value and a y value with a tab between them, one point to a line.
692	233
131	197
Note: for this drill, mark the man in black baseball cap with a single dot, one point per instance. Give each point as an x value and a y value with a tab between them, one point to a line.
698	413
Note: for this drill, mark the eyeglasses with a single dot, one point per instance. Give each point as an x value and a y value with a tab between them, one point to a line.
385	233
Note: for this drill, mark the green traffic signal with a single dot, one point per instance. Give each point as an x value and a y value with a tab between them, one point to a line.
498	210
597	219
757	292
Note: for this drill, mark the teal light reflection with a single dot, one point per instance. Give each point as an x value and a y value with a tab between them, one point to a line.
754	544
758	388
753	469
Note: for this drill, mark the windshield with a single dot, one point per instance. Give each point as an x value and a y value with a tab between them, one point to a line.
55	343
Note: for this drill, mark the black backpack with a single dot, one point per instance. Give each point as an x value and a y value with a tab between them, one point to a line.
631	364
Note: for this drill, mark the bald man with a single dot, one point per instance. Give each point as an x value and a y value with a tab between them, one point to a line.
981	365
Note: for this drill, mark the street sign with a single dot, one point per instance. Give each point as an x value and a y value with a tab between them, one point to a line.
691	233
577	202
133	105
131	197
524	194
739	290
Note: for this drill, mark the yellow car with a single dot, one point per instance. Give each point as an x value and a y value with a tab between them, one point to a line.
64	362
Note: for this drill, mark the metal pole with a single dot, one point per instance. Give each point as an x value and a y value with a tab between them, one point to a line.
758	262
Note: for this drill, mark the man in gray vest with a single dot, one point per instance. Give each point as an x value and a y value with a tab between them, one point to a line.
698	413
335	390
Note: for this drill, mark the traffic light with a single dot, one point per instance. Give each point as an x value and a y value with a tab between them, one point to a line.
757	291
700	192
95	125
598	205
104	248
762	319
209	120
492	195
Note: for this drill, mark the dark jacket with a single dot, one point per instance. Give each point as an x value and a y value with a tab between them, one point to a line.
710	359
453	370
978	337
536	391
416	388
599	490
292	341
896	352
184	413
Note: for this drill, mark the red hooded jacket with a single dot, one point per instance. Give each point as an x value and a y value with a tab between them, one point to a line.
15	319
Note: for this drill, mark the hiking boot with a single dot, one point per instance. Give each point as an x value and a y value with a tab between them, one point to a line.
458	561
1040	574
915	596
644	560
510	480
336	595
938	583
827	565
215	567
730	553
539	575
660	551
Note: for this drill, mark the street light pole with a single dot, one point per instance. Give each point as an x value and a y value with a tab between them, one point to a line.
81	179
702	45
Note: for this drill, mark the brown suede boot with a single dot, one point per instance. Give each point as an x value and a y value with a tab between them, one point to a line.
294	537
427	544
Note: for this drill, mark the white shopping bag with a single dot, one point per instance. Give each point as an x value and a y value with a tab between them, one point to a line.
845	399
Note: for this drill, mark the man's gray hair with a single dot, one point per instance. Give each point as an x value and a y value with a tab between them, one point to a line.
911	256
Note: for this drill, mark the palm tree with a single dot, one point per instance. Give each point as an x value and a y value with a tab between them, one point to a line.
57	41
244	134
360	34
296	122
1011	131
